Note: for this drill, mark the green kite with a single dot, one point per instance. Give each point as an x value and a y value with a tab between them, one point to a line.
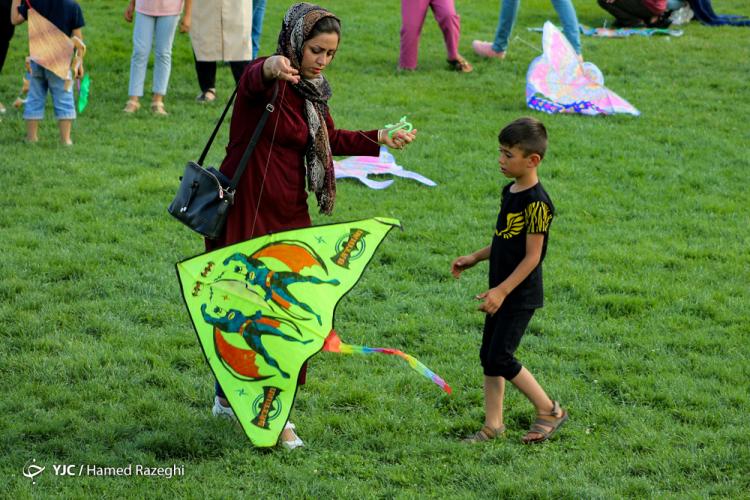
263	307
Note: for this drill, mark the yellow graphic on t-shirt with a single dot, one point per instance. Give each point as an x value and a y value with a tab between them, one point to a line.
538	217
513	226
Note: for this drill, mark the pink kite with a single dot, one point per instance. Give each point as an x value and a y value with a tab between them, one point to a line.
558	82
359	167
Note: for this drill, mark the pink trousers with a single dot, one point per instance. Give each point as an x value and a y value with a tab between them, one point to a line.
413	13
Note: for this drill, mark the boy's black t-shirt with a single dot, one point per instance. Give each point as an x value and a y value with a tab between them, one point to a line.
65	14
526	212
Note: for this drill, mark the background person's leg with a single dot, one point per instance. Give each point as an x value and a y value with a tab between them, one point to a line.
238	67
163	40
450	24
413	13
569	20
206	73
259	11
143	34
508	14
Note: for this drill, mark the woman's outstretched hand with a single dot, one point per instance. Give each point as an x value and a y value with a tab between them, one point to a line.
279	68
399	140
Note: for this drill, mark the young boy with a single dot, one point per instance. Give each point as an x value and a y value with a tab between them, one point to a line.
516	254
66	15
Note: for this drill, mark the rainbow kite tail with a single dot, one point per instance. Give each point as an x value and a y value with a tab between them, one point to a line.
333	344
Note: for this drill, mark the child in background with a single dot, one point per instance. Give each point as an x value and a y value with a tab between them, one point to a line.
518	248
413	13
155	20
67	16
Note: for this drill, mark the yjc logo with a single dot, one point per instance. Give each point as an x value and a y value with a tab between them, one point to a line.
31	470
64	470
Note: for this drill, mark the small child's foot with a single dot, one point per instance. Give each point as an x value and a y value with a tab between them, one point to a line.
546	424
2	108
67	143
484	49
486	433
32	140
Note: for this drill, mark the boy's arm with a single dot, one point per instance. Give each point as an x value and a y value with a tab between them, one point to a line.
15	16
464	262
494	297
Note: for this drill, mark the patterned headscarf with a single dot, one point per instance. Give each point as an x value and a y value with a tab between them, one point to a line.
295	30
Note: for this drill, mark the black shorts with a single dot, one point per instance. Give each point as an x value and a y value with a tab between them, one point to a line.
502	334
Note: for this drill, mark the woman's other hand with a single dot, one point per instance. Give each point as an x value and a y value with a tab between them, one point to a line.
399	140
279	68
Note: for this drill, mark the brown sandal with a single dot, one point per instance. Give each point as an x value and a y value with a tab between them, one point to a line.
486	433
461	65
546	427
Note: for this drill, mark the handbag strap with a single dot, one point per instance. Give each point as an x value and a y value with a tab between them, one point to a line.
253	140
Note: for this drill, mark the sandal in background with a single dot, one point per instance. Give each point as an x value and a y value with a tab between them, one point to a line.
131	106
461	65
157	108
207	96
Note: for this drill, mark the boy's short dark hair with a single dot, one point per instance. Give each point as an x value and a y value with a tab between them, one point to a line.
529	134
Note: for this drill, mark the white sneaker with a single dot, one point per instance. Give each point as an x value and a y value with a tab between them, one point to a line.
294	443
220	410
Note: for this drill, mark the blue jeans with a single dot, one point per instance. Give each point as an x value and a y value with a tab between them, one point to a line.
161	31
259	10
509	10
62	100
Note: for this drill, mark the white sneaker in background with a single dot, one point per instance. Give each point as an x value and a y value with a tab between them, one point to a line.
220	410
294	443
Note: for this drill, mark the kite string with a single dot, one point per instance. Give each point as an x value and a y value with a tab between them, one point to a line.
527	43
268	161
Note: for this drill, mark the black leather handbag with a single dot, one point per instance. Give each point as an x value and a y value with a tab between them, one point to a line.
205	195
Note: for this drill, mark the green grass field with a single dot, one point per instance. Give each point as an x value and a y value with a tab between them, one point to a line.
644	336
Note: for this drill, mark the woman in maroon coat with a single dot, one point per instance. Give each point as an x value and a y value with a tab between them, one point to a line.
296	146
